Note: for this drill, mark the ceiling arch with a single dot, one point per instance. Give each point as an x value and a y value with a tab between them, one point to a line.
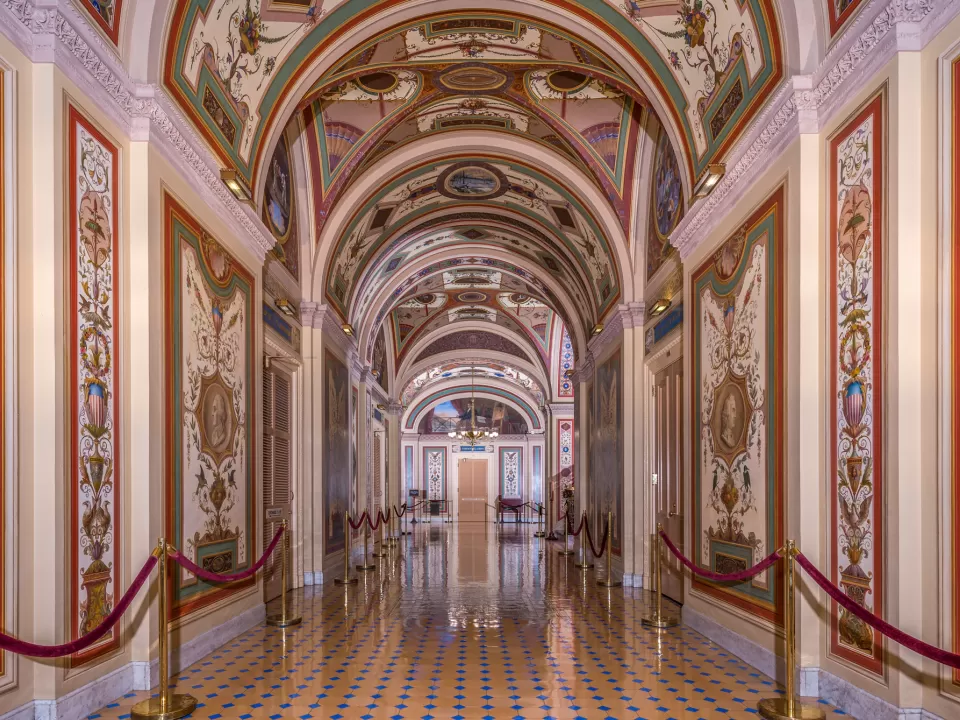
497	391
706	66
480	370
421	376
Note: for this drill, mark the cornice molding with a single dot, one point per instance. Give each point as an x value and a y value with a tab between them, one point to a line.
804	104
633	314
61	35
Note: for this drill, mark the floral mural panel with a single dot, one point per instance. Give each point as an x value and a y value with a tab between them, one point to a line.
211	509
605	487
94	367
337	459
279	211
856	409
511	472
666	203
435	472
566	454
738	408
566	365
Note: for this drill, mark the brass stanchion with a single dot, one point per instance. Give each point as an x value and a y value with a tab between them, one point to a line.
658	619
165	706
539	533
789	707
583	563
566	552
283	619
608	581
366	565
346	579
380	553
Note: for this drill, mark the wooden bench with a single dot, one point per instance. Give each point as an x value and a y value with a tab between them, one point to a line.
513	505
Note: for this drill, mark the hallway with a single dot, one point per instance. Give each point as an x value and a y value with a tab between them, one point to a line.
465	623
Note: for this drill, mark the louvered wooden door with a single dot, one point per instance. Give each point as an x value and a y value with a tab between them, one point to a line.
277	470
668	466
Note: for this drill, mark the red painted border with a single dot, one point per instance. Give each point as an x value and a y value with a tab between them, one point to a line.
775	204
838	20
172	208
77	119
875	108
955	356
111	32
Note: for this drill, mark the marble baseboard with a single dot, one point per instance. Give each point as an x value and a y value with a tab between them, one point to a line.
138	675
633	580
313	578
754	655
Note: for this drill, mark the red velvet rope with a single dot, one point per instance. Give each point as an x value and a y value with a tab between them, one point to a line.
768	562
918	646
398	513
603	542
51	651
361	521
213	577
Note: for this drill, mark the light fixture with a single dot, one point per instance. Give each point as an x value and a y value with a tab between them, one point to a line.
711	178
285	307
598	328
347	329
237	185
472	434
660	307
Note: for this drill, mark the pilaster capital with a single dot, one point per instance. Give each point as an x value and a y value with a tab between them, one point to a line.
633	314
394	408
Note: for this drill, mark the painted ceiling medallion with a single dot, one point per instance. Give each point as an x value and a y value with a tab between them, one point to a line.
472	181
472	297
474	78
377	83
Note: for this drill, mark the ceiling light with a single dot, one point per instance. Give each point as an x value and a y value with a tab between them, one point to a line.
285	307
237	185
598	328
711	178
660	307
347	329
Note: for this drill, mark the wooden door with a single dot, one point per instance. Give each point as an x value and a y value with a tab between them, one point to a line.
472	490
668	468
277	498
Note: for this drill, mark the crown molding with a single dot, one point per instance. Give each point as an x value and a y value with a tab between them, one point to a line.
804	104
56	32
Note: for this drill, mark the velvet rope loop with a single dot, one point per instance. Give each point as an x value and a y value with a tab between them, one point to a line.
603	541
356	525
918	646
751	572
213	577
21	647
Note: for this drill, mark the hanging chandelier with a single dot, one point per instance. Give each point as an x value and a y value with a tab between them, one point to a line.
471	433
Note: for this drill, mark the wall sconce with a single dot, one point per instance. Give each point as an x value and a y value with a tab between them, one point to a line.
284	306
660	307
711	178
347	329
598	328
237	185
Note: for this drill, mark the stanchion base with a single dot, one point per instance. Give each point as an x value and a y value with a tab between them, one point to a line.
366	568
663	621
604	582
539	533
583	566
379	554
282	622
345	581
565	553
776	709
178	706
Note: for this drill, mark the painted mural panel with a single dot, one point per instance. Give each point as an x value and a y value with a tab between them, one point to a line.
566	455
211	510
511	472
105	15
841	12
955	351
856	408
336	456
354	456
435	472
566	365
279	212
94	367
379	365
738	407
666	203
605	486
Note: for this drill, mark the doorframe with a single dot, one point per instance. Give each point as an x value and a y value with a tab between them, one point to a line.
670	350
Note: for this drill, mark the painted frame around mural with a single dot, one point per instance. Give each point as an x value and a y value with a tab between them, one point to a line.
501	457
8	399
176	214
875	109
77	120
838	19
112	32
771	211
951	241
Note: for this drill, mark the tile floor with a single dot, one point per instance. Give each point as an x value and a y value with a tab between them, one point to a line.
463	622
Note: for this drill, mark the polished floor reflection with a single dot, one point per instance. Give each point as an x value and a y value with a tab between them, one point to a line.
466	622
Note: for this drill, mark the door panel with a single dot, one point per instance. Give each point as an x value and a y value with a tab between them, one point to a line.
472	490
277	497
668	466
